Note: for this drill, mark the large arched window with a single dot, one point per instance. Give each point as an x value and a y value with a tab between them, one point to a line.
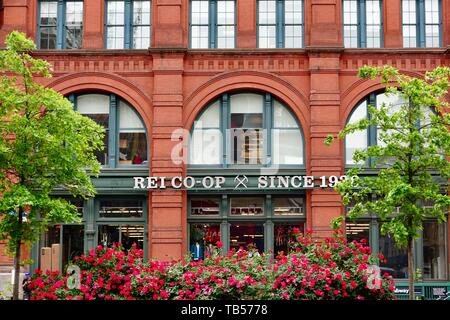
125	135
246	129
360	140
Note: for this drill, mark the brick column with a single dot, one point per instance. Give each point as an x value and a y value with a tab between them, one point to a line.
93	24
167	218
170	23
446	23
325	161
15	14
392	23
246	24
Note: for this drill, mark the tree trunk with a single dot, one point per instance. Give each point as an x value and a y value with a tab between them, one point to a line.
17	260
411	273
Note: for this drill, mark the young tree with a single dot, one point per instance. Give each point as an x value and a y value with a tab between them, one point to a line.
44	144
410	157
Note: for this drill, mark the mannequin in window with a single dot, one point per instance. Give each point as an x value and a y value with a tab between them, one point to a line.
137	159
197	251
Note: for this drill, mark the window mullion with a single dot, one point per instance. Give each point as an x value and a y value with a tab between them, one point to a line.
128	30
362	32
113	132
279	24
420	7
224	121
268	109
212	24
60	16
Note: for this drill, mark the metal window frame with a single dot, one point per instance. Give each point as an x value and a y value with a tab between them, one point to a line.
225	116
128	24
60	23
421	24
225	219
212	24
280	25
361	24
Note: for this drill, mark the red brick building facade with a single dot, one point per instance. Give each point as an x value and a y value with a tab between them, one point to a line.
170	84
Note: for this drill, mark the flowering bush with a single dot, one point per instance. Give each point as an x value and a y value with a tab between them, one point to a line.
332	269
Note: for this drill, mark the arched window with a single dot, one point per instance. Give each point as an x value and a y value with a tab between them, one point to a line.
246	129
125	135
360	140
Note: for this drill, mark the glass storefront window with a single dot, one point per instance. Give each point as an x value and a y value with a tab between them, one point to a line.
203	236
396	259
357	231
288	206
434	252
284	236
205	206
73	243
125	208
126	234
247	206
247	235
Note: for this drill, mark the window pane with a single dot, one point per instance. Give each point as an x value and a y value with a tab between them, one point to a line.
246	103
357	231
284	236
210	118
409	18
74	24
206	146
434	251
124	208
73	243
199	37
293	37
205	206
396	259
293	12
287	146
96	107
282	118
141	37
350	36
115	13
225	37
132	137
141	12
288	206
47	38
266	37
266	12
247	235
126	234
247	206
48	13
130	235
116	38
373	24
358	139
203	238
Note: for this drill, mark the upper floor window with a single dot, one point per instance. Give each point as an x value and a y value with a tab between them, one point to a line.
246	129
362	23
60	24
212	24
128	24
280	24
422	21
125	136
